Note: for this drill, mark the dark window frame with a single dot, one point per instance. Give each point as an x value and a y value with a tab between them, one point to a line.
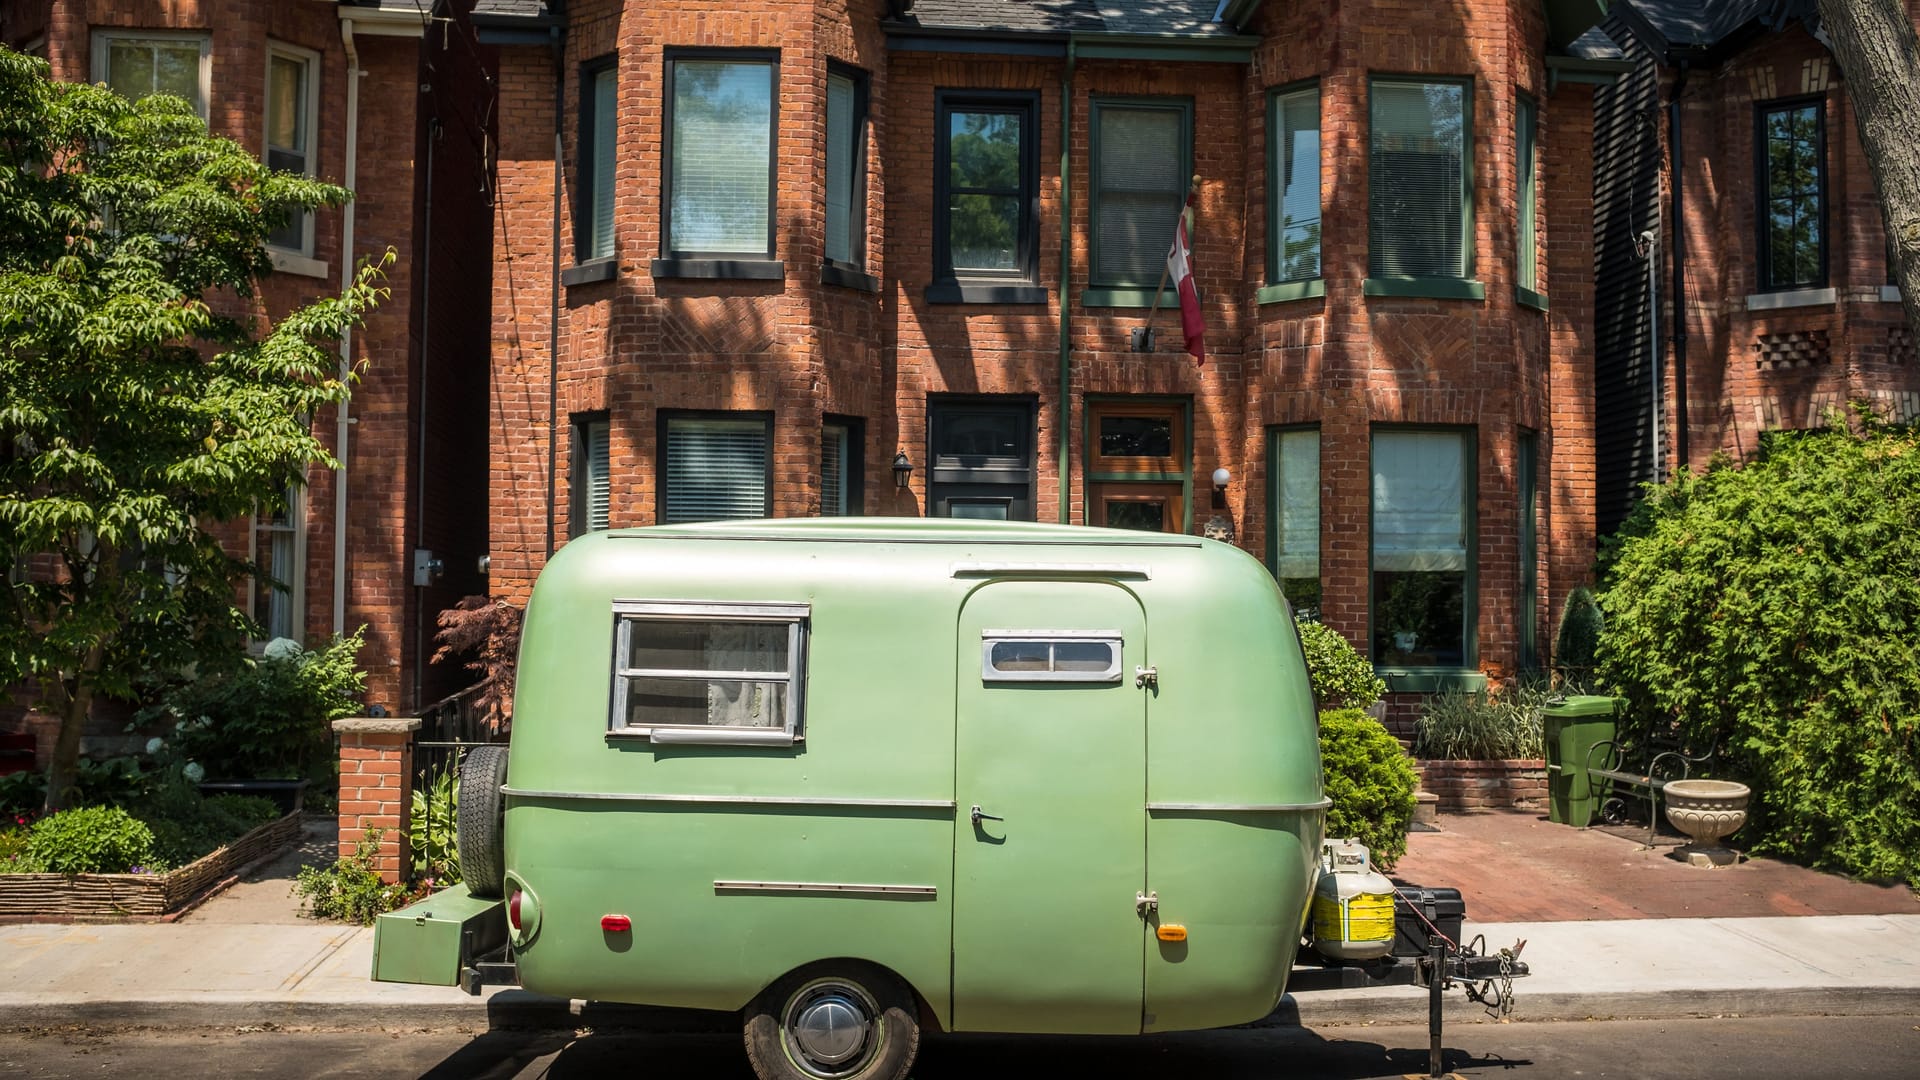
1527	470
948	284
1526	157
941	406
1275	189
585	191
854	467
857	202
663	420
1276	503
578	466
671	255
1098	105
1763	193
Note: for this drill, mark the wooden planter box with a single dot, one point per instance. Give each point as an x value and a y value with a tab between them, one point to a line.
1486	785
139	897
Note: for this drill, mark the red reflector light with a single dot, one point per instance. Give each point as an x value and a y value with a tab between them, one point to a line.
615	924
513	909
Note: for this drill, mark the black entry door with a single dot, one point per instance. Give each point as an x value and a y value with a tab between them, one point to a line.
982	456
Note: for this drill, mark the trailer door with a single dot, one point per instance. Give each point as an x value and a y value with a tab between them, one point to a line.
1051	752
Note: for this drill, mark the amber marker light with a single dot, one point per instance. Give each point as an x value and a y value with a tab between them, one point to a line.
615	924
1171	932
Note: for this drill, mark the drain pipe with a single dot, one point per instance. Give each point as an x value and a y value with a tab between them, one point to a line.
553	289
345	418
434	131
1066	276
1678	170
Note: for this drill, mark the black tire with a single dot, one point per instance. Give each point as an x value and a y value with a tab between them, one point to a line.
481	822
884	1009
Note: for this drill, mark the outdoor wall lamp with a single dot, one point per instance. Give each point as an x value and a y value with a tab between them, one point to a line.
1221	478
902	469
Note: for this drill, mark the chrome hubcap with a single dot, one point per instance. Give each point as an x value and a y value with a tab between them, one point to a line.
829	1026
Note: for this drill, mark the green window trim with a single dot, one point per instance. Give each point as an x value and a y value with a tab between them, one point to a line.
1429	288
1432	680
1291	290
1282	103
1470	545
1529	298
1155	238
1386	216
1090	448
1302	591
1526	267
1128	298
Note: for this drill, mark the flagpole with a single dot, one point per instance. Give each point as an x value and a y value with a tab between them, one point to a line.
1153	314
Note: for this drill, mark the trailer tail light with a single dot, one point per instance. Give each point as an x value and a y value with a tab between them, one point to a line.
615	924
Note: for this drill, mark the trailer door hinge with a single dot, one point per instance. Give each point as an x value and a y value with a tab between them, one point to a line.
1145	677
1146	904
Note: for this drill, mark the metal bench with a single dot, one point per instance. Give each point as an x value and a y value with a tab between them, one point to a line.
1647	765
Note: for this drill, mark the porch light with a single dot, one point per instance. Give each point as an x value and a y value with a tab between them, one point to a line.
1221	478
902	469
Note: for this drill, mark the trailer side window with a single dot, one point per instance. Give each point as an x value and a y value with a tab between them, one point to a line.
1050	656
709	673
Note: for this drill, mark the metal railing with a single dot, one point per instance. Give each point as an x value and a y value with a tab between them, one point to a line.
448	728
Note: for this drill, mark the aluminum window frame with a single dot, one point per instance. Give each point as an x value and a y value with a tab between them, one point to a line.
1109	676
797	617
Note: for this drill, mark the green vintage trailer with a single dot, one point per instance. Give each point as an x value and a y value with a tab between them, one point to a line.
853	776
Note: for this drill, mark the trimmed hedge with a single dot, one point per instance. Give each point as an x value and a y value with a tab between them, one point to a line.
1370	782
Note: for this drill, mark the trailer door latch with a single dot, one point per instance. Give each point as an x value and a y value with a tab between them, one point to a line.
1146	904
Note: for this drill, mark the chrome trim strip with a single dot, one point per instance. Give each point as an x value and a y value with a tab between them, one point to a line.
828	888
736	800
1239	808
718	610
1052	569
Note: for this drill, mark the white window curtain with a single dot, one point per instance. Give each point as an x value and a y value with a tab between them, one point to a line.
722	139
840	167
716	469
1299	547
1419	501
605	113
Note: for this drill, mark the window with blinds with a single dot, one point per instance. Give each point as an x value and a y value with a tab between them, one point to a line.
846	167
1526	266
1418	200
838	459
715	469
291	115
720	156
1793	191
1141	162
599	111
1293	185
591	476
1293	471
1422	539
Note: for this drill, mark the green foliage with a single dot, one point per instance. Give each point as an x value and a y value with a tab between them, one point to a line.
1471	726
1370	782
89	840
270	718
350	890
1776	607
140	405
430	831
13	847
1577	642
1341	677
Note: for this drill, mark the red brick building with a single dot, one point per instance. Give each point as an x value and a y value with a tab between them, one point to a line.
393	102
785	257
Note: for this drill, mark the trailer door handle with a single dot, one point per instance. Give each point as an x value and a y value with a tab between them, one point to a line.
979	816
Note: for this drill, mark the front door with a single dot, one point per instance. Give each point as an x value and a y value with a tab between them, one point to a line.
1051	747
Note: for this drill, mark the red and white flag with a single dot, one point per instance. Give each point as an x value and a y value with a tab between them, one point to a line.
1180	269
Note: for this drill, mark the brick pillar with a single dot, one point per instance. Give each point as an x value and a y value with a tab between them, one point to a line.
376	787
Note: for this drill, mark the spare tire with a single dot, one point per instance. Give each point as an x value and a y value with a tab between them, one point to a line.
481	823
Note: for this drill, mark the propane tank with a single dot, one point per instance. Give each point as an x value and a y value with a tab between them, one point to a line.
1352	904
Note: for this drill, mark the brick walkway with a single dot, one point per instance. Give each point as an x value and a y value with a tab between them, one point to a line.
1516	866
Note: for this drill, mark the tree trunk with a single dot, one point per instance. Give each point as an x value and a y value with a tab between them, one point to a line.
1879	59
76	701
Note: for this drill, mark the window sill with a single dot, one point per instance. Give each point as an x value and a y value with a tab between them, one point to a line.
1791	298
586	273
953	293
1291	290
1889	294
1406	681
1125	298
287	262
1528	298
745	269
716	736
1427	288
848	278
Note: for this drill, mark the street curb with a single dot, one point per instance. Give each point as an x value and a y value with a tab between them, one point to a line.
517	1009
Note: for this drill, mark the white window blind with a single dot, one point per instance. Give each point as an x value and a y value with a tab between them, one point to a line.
1299	518
1296	230
599	475
833	470
1419	501
716	469
605	114
840	167
722	141
1527	270
1137	191
1417	181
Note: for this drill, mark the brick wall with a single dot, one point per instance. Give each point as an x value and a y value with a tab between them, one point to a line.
376	792
1486	785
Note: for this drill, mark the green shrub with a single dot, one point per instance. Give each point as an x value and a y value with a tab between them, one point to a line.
1370	782
1341	677
430	831
1577	642
1468	726
1775	608
89	840
270	718
23	792
13	847
350	890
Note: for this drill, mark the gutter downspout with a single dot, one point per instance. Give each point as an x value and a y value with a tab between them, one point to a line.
553	290
345	419
434	131
1679	271
1066	275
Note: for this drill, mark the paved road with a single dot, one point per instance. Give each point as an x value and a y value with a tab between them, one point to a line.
1731	1048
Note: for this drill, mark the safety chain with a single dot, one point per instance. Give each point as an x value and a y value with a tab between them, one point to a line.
1496	994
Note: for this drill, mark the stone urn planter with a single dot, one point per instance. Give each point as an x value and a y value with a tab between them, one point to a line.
1708	811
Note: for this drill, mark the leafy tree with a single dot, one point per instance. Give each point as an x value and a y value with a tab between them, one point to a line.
140	402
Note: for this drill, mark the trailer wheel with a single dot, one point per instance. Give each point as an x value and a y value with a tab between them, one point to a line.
481	821
835	1020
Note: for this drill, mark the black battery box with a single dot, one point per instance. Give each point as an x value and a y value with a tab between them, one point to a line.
1414	907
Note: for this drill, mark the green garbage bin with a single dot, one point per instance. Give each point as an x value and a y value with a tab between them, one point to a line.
1572	726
